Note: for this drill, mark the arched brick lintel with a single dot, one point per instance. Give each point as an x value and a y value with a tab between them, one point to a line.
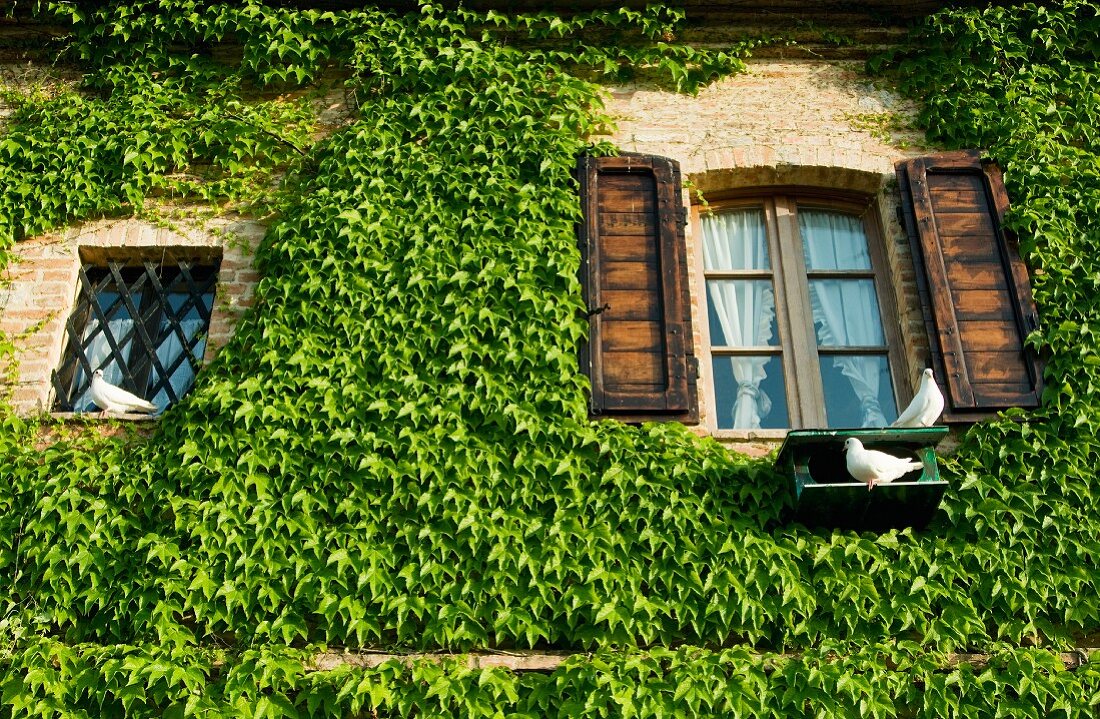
835	177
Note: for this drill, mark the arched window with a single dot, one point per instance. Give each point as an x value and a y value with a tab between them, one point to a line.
799	329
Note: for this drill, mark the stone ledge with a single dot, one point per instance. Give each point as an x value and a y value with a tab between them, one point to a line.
548	661
96	417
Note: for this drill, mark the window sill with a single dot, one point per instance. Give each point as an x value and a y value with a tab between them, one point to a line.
97	417
750	434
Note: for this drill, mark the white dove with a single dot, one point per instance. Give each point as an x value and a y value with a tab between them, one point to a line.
926	406
874	467
110	398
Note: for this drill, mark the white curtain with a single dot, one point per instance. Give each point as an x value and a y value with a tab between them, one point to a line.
845	311
744	308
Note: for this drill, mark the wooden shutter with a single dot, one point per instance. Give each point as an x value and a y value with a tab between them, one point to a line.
639	353
973	284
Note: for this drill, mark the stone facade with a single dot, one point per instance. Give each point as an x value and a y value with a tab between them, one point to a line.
40	287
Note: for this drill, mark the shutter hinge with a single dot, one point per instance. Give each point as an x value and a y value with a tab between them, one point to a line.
693	368
901	216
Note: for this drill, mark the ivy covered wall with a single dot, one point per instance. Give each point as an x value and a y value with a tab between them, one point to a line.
394	453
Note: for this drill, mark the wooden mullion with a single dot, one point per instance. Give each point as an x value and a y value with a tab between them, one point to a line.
783	320
804	379
916	252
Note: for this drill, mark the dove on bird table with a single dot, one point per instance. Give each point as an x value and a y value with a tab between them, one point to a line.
110	398
874	467
926	406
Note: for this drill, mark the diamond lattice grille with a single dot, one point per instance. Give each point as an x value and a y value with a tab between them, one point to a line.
144	326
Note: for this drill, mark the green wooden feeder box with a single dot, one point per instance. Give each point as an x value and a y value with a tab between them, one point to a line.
826	495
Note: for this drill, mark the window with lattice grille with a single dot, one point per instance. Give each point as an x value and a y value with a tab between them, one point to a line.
144	325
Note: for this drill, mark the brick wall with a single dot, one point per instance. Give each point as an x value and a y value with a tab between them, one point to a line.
786	122
39	289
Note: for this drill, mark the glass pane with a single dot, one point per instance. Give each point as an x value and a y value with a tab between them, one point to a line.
749	392
859	391
735	240
741	313
846	313
833	241
170	349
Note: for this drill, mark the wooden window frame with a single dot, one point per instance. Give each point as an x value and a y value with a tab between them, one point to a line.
798	347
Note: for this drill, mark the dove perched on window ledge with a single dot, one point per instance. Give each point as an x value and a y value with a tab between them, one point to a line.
110	398
874	467
926	406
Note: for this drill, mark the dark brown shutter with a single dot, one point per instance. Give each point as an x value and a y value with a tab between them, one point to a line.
973	284
639	355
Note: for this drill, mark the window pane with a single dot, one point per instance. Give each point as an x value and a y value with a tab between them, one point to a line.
846	313
735	240
749	392
858	390
833	241
742	313
170	351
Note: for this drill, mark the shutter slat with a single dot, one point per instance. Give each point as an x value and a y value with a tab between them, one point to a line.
628	248
972	282
633	336
630	305
626	369
985	336
641	276
636	277
627	223
993	303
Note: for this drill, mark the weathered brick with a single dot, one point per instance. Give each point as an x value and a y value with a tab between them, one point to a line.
68	275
